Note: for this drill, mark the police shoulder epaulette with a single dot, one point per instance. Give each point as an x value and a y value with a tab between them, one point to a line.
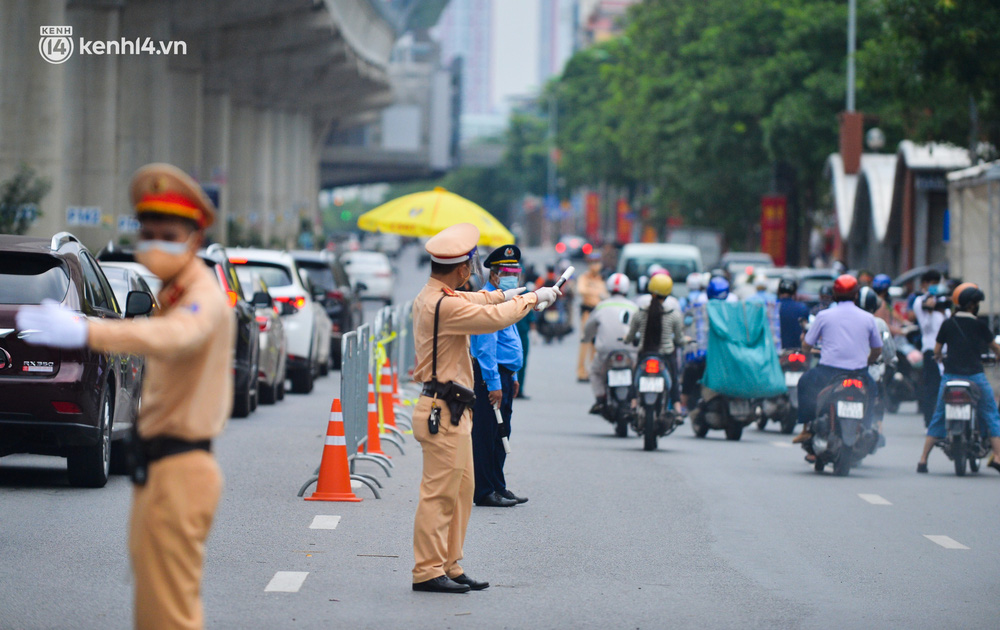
448	291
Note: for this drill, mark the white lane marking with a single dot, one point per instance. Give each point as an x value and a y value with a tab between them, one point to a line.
874	499
945	541
325	521
782	444
286	582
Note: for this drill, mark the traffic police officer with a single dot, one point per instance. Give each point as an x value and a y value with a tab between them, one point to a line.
187	393
443	319
496	359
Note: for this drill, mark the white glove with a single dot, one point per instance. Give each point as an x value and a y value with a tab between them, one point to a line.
510	294
52	324
547	296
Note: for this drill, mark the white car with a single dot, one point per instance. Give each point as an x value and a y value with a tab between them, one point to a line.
307	327
370	273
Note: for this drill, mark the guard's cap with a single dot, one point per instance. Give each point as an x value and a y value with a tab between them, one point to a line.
165	189
509	255
454	244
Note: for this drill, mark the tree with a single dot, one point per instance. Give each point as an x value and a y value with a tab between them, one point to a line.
19	199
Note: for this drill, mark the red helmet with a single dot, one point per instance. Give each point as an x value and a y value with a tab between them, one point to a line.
844	287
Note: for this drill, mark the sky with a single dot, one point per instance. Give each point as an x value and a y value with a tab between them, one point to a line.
516	49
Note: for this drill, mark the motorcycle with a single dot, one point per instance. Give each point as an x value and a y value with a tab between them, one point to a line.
964	441
843	431
903	380
554	323
722	412
653	418
617	410
784	409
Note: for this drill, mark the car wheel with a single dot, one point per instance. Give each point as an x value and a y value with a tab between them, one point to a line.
254	388
241	400
90	466
335	355
280	391
302	381
268	393
324	368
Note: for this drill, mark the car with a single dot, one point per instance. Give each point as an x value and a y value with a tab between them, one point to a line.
307	328
811	281
125	259
273	343
335	292
125	277
573	247
679	260
76	404
370	274
735	262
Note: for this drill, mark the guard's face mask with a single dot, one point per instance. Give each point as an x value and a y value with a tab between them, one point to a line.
508	277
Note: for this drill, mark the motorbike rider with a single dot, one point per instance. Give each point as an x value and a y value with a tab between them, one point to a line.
718	289
885	312
659	329
825	299
791	314
696	294
967	339
606	329
869	301
850	343
930	310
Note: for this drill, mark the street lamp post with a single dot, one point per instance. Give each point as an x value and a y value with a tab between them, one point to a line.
852	21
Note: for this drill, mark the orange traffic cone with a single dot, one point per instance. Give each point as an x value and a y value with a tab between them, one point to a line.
334	472
385	396
374	444
395	384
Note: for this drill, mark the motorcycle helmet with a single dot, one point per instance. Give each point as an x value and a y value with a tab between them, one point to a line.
618	283
788	286
881	282
718	288
965	294
826	291
661	284
845	287
694	282
868	299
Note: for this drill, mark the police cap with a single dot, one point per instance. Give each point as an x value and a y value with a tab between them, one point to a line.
167	190
454	244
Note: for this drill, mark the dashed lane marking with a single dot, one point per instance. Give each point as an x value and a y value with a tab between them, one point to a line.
324	521
874	499
782	444
286	582
945	541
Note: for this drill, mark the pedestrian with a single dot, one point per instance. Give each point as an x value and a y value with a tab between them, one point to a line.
496	358
930	310
443	319
590	287
187	393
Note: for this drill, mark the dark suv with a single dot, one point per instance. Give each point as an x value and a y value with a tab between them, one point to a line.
68	403
333	289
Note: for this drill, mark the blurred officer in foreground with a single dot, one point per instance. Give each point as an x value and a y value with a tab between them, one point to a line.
497	357
442	421
187	392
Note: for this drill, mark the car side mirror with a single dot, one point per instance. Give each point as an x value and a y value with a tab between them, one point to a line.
138	303
360	286
262	299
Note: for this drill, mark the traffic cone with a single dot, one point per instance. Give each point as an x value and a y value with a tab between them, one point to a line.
385	396
374	444
334	472
396	397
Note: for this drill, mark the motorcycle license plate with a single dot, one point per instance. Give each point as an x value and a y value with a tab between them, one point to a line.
650	384
853	410
958	412
792	379
551	316
739	407
619	378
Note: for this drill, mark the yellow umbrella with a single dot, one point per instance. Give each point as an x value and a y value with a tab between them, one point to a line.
427	213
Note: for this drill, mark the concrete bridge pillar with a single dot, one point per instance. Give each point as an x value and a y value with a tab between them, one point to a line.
216	142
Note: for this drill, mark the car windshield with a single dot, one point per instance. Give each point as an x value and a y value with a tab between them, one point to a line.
812	285
29	279
319	275
272	275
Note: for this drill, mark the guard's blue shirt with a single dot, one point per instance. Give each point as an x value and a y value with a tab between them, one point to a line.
494	349
791	313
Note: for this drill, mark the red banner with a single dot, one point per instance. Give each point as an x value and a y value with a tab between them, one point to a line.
592	214
774	227
624	222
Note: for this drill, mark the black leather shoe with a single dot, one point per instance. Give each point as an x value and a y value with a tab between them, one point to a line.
598	407
921	468
441	584
473	584
494	499
510	495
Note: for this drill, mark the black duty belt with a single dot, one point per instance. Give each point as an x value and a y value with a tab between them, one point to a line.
160	447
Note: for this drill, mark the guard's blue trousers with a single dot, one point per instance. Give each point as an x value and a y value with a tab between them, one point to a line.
488	456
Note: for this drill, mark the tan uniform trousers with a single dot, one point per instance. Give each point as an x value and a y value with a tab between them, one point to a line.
586	352
171	517
446	492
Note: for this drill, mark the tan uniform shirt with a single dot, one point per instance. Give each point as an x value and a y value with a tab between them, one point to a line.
187	387
462	314
591	288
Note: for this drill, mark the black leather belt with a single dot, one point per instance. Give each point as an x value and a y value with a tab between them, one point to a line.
158	448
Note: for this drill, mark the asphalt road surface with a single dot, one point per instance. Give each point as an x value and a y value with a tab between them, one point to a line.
701	533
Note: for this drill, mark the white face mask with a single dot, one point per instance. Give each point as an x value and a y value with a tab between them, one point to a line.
164	258
167	247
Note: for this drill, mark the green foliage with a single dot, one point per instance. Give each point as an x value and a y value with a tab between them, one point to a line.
19	199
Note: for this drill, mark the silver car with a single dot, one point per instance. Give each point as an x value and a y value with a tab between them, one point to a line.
272	340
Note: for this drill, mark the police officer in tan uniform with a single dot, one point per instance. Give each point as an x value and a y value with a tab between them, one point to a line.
186	393
443	319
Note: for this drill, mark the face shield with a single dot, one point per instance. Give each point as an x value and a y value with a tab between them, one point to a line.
476	268
507	276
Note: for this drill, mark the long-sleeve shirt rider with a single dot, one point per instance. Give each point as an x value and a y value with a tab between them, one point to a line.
672	335
605	327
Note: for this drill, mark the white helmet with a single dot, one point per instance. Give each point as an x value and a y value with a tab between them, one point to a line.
618	283
694	282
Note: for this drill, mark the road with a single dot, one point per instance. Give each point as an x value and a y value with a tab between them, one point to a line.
702	533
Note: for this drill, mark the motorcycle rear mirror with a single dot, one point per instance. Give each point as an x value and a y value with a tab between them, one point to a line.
896	292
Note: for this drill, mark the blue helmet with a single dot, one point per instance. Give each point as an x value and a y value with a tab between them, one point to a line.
881	282
718	288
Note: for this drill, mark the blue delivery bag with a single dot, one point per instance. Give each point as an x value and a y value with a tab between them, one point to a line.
742	361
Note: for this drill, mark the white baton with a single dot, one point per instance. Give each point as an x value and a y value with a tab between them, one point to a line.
506	444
